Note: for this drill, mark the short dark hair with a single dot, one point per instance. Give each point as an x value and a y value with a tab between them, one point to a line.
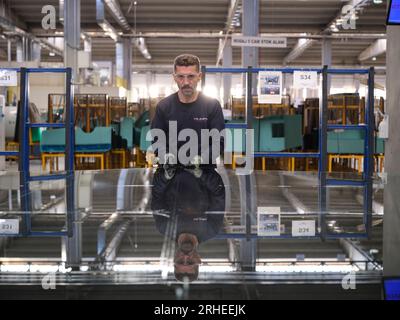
186	60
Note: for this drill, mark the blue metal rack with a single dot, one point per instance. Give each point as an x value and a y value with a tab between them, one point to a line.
24	154
324	182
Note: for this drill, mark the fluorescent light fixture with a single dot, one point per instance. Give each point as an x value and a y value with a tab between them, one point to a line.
334	28
211	269
139	268
141	45
40	268
309	268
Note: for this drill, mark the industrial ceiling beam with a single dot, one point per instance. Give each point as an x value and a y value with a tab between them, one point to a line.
294	201
229	27
218	35
352	6
355	253
374	50
115	10
12	29
302	45
377	207
10	15
13	25
103	23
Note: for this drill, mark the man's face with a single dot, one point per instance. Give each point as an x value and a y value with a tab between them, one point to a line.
187	79
187	259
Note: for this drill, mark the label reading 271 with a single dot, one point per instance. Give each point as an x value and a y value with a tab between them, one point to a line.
9	226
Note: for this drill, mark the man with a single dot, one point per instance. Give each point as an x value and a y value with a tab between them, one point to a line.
188	198
189	109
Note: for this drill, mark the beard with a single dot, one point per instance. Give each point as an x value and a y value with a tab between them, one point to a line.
187	91
187	243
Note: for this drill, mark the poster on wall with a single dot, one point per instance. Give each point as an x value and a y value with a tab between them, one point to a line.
270	87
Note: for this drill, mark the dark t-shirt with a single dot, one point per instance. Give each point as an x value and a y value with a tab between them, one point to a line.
186	204
204	113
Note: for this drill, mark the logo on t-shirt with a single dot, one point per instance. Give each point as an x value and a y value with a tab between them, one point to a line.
200	119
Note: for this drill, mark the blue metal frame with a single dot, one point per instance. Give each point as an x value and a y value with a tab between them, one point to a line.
318	236
284	70
323	150
8	153
286	155
24	153
366	182
46	125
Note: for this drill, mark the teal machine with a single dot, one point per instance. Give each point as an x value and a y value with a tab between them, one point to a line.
351	142
98	141
271	134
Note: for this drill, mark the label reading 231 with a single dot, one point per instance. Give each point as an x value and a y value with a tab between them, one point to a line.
8	78
9	226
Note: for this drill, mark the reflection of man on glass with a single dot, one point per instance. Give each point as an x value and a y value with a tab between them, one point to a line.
188	197
189	210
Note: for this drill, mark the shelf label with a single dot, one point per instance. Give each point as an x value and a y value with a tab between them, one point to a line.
305	79
303	228
8	78
9	226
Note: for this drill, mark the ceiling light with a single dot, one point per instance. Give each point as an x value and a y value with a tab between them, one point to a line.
374	59
334	28
52	54
109	30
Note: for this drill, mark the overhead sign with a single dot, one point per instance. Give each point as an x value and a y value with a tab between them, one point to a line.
8	78
240	41
9	226
305	79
